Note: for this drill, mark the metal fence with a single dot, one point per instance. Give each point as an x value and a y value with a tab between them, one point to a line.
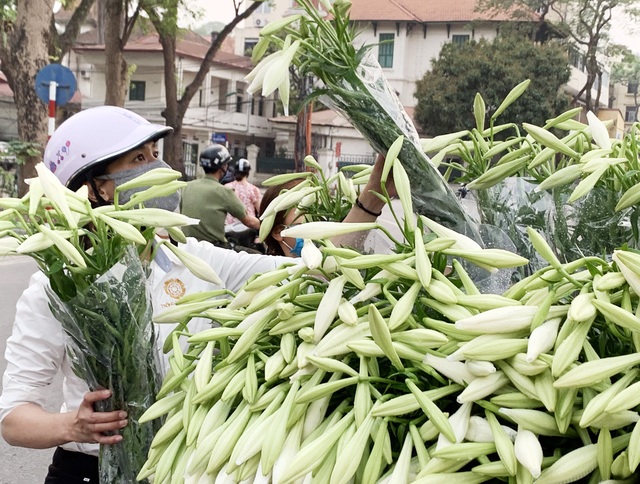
355	160
275	165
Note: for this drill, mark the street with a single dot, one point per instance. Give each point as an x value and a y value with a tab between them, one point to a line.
19	466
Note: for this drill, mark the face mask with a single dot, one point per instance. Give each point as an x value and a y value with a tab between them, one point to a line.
296	249
170	202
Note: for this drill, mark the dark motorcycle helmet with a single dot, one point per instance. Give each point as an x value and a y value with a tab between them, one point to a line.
213	157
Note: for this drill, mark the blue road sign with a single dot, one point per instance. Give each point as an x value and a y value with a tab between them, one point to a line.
63	77
220	138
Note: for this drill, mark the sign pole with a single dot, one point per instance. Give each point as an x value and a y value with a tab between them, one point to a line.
53	85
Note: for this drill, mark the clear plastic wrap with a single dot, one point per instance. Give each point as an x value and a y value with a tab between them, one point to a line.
367	100
111	343
589	226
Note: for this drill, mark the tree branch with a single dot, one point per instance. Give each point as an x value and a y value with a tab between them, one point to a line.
193	87
68	37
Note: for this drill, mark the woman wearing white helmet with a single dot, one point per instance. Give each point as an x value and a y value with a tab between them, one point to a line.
103	147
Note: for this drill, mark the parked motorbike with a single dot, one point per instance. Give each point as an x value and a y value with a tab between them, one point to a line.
243	239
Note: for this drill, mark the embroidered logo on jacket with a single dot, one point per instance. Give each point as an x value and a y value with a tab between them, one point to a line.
175	288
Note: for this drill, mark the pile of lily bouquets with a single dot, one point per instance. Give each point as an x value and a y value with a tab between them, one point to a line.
395	368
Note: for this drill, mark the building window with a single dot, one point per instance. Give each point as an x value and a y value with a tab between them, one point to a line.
459	39
249	45
630	114
632	87
190	157
201	98
137	90
265	7
385	50
577	59
239	101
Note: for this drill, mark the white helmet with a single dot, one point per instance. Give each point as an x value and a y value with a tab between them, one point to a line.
95	136
244	165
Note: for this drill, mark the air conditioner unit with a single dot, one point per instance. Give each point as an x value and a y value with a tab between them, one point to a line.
85	74
259	22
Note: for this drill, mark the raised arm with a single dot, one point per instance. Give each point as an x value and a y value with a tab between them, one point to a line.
368	206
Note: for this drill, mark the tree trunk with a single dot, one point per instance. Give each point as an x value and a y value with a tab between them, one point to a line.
115	65
300	140
27	53
176	108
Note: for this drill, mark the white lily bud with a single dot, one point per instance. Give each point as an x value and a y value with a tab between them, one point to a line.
155	217
33	243
278	71
581	308
542	338
8	245
482	386
490	259
54	191
480	368
479	430
155	177
347	313
311	255
156	191
462	241
330	265
329	303
499	320
124	229
454	370
599	132
628	271
285	310
69	250
326	230
35	195
460	421
609	281
196	265
529	451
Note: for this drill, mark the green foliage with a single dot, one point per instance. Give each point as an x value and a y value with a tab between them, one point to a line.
627	70
7	11
490	68
22	150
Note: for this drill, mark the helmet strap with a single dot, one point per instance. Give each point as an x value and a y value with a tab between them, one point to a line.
99	200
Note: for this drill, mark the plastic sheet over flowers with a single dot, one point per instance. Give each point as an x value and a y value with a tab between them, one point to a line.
111	344
586	227
367	100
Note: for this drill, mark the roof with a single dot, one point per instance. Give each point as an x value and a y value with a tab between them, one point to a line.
189	45
427	11
326	117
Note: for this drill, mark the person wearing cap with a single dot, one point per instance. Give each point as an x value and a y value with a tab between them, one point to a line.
103	147
247	192
209	201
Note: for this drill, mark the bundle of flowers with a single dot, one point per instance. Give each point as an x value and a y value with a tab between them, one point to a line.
395	368
96	260
321	44
566	179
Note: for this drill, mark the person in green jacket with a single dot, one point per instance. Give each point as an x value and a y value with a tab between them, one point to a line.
208	200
